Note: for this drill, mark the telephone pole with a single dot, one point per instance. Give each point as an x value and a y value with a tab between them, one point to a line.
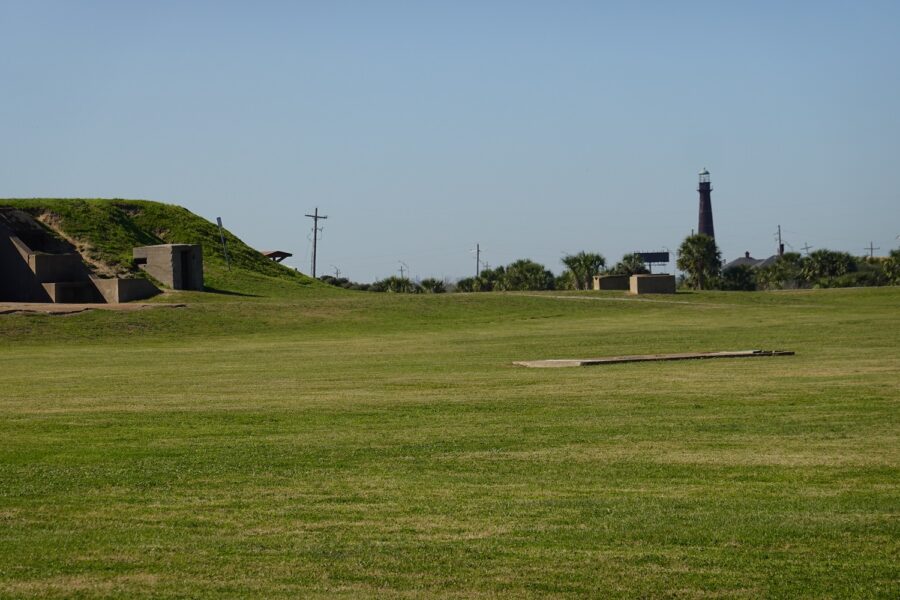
477	260
780	242
807	248
872	248
315	217
403	266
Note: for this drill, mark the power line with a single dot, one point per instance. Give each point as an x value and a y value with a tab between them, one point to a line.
315	217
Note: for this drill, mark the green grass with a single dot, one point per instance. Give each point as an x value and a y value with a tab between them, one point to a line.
322	443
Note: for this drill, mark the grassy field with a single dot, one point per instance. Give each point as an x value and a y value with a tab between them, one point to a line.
325	443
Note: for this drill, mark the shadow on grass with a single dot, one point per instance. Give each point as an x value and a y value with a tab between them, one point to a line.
212	290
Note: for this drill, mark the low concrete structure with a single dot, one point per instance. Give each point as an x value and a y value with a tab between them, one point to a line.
32	257
37	266
556	363
71	292
652	284
178	266
48	267
44	277
117	291
611	282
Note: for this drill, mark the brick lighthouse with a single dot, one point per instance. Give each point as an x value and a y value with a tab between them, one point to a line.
705	225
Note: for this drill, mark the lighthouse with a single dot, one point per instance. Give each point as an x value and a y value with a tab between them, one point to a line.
705	225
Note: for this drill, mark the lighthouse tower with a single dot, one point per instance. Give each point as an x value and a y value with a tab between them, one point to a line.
705	225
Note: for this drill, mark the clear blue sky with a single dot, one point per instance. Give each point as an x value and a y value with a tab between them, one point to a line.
421	128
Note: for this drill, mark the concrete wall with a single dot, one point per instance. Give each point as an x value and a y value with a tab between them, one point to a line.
652	284
611	282
28	276
17	282
178	266
72	292
35	266
57	267
116	291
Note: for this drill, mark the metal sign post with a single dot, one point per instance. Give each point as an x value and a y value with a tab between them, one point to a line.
224	245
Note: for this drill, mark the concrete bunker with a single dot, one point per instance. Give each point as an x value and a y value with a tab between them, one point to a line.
611	282
37	266
652	284
178	266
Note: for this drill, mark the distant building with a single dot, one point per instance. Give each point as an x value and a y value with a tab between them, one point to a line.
749	261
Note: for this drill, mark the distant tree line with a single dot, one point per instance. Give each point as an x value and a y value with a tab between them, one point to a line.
398	285
698	257
521	275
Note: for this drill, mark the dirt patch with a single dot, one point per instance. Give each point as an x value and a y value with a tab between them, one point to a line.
47	308
86	250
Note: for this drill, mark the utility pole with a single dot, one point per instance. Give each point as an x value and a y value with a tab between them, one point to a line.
337	272
477	260
807	248
780	243
872	248
315	217
403	266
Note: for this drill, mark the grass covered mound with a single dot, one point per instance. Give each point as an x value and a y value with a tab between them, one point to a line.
106	231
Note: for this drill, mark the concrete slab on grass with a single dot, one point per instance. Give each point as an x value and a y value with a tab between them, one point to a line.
609	360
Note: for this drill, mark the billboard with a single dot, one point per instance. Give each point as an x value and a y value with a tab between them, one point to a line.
654	257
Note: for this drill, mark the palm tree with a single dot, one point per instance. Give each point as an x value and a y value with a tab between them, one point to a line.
699	257
741	278
783	273
631	264
433	286
824	264
525	275
891	267
397	285
565	281
584	266
489	279
466	284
